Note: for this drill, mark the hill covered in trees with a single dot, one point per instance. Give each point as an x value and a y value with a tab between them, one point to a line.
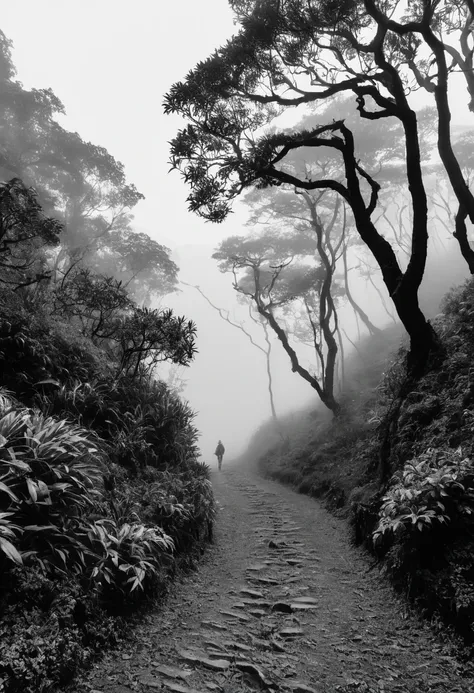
102	496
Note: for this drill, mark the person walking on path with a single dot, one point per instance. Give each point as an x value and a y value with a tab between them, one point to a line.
220	450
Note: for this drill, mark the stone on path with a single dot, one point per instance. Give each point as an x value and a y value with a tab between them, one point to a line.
255	594
234	614
276	544
200	658
171	672
215	645
298	687
254	672
258	613
213	624
238	646
304	600
189	656
239	605
256	566
264	580
178	688
290	632
216	664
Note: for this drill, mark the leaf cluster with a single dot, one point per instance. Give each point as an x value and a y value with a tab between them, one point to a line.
147	337
25	233
96	301
434	489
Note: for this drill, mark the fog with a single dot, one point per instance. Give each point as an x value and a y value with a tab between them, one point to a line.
111	62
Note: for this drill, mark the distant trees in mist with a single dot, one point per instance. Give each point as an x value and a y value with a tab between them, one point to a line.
82	186
360	154
67	243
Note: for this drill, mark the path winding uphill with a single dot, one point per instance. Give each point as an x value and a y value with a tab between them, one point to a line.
281	602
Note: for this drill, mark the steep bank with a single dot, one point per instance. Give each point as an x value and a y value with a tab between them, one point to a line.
418	521
102	497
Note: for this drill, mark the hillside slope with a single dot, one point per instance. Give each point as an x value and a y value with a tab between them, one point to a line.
102	495
399	464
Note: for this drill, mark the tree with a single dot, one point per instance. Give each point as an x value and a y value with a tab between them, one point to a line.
423	37
288	53
264	270
142	264
97	302
447	213
321	212
80	183
25	233
148	337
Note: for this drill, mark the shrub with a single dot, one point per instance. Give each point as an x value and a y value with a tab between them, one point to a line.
46	466
131	557
434	489
424	532
49	627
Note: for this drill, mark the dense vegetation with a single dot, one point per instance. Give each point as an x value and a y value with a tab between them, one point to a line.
413	506
102	496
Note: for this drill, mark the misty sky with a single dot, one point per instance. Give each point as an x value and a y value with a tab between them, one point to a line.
111	62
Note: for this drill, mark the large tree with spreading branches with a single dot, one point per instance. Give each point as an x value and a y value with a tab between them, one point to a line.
289	53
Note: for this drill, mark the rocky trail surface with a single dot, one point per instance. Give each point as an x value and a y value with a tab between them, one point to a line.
280	602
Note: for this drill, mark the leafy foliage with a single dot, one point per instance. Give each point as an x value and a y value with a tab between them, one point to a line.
130	556
294	53
102	498
82	185
434	489
24	234
139	262
147	337
95	301
98	538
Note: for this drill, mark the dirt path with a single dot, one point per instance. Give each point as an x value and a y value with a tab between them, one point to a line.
281	601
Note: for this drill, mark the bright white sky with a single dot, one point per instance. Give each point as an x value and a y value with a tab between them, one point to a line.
111	62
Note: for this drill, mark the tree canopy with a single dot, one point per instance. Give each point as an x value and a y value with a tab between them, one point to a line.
79	183
289	53
25	234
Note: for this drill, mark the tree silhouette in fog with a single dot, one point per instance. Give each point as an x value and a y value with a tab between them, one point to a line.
82	185
289	53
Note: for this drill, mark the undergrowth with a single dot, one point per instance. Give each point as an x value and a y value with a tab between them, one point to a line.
102	496
415	513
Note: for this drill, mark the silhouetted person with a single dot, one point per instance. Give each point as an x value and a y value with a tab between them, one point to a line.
220	450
